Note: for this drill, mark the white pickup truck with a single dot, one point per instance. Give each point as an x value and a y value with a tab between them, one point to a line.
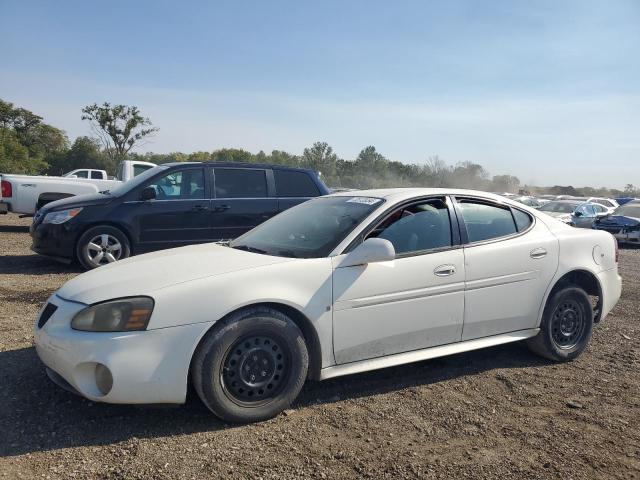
88	173
25	194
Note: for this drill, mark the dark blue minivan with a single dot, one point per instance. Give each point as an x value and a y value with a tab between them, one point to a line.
168	206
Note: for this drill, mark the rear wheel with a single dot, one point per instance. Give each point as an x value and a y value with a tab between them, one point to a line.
102	245
252	366
566	325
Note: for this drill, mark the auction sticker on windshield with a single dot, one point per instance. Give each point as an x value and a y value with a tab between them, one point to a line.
364	200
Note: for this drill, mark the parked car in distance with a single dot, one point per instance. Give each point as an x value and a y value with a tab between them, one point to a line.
338	285
168	206
623	200
87	173
609	203
529	201
623	223
576	213
26	194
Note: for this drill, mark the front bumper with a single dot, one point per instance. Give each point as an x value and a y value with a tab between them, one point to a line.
56	241
628	237
150	366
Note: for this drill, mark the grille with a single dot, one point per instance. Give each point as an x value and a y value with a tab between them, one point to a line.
46	314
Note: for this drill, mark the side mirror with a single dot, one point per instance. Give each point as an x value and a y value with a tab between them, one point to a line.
577	214
72	176
148	193
370	251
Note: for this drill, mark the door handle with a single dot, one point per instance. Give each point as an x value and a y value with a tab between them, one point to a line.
221	208
444	270
538	253
198	208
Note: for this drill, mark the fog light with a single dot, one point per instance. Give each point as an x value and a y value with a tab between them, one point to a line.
104	379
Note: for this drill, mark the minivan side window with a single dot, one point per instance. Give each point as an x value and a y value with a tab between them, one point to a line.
417	227
290	183
180	185
484	221
240	183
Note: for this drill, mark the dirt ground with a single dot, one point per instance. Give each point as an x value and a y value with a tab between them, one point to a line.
492	414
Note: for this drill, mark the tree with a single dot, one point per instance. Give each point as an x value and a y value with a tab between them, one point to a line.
630	189
505	183
84	153
119	128
320	157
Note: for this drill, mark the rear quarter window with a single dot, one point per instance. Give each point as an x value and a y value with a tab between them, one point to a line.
294	184
523	220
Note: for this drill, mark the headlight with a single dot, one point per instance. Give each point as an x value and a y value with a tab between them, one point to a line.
122	315
61	216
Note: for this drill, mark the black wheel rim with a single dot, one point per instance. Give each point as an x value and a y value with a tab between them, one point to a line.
255	370
568	324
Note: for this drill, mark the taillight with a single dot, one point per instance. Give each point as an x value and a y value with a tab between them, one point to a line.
6	188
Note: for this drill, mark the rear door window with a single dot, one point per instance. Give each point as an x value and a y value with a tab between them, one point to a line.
485	221
294	184
240	183
95	174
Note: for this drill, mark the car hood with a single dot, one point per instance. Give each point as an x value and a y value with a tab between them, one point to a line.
143	274
619	220
78	201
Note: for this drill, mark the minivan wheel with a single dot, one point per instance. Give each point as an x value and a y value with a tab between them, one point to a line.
566	325
102	245
252	366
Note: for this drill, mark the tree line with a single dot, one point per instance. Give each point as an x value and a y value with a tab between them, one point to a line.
28	145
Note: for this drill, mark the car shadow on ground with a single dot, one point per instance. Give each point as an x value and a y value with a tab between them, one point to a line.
14	229
34	265
36	415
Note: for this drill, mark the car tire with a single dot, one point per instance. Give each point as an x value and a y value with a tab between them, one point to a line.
108	241
252	366
566	327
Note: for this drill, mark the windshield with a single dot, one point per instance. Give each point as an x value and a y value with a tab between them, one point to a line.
628	210
135	181
559	207
310	230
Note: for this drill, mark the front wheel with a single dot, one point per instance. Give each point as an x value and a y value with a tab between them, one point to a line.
566	325
102	245
252	366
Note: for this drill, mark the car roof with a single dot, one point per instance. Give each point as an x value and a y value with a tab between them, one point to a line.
399	194
241	165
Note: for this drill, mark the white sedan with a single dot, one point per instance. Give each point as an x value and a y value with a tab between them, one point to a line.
342	284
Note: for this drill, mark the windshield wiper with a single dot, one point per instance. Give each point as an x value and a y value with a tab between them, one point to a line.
247	248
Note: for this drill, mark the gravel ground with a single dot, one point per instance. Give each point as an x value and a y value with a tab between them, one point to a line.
496	413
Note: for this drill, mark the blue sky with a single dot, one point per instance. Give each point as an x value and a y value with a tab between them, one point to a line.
545	90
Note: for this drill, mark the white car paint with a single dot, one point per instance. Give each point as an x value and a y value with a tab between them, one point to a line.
363	316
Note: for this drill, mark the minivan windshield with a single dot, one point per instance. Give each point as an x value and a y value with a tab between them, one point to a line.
310	230
559	207
135	181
